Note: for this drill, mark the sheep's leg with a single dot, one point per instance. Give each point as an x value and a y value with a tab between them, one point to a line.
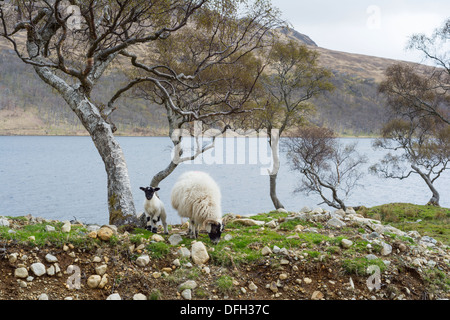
147	227
192	230
164	223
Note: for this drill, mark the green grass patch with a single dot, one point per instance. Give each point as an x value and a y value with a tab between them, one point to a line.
77	236
359	265
433	221
225	284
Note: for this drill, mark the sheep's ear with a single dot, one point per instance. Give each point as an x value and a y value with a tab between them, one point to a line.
156	189
142	188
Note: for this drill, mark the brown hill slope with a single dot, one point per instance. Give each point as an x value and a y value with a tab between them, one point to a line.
353	108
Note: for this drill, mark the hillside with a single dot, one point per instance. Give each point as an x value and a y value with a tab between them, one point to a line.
306	255
354	108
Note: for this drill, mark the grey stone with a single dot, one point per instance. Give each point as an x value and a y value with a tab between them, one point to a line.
187	294
139	296
4	223
43	296
175	239
346	243
101	270
371	257
38	269
66	227
51	258
21	272
93	281
143	260
49	228
373	235
335	222
114	296
184	252
266	251
386	250
199	253
190	284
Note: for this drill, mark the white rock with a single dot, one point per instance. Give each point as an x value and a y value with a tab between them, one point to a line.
66	227
143	260
21	272
335	222
49	228
187	294
43	297
228	237
114	296
157	238
346	243
51	271
176	263
139	296
305	209
184	252
51	258
266	251
386	250
103	282
199	253
93	281
175	239
307	280
38	269
271	224
250	222
13	257
101	270
252	286
190	284
4	223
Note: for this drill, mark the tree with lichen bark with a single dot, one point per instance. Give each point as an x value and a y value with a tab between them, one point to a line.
70	45
292	78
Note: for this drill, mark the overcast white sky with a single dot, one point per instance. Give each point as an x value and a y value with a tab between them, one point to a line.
377	28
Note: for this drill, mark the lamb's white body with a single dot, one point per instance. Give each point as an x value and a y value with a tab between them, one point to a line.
197	196
154	209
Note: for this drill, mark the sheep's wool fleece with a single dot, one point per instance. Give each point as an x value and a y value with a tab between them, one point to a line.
198	193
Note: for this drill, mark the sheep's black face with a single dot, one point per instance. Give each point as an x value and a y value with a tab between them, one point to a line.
216	232
149	192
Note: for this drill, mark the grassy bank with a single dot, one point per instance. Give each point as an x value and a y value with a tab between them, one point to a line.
278	256
427	220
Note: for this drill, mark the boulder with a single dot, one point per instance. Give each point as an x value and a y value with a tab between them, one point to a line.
143	260
21	273
175	239
93	281
199	253
335	222
346	243
38	269
105	233
250	222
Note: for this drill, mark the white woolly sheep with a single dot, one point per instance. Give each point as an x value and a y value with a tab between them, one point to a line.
154	209
197	196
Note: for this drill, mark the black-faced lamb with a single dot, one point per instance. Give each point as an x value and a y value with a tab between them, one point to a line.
197	196
154	210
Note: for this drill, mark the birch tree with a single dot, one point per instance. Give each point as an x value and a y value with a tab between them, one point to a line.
292	78
204	74
70	45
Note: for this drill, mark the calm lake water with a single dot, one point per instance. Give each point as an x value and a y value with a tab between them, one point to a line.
64	177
